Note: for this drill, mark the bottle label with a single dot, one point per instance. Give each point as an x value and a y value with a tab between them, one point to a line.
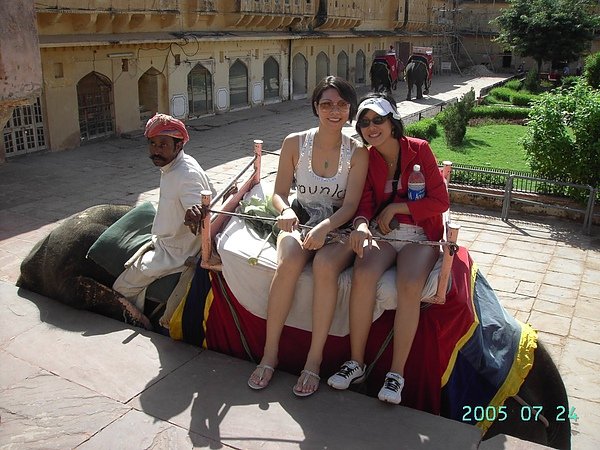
416	192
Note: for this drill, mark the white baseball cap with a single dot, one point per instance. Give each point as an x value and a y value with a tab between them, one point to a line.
379	105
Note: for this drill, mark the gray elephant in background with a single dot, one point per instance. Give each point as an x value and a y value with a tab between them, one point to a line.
416	73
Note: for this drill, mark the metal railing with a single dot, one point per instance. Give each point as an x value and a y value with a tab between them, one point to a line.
587	212
483	182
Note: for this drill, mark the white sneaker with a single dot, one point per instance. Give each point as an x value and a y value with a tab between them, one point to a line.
392	388
350	372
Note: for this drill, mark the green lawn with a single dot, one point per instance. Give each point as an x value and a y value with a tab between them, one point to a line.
494	146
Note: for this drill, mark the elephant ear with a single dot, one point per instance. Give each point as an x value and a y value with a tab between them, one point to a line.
122	239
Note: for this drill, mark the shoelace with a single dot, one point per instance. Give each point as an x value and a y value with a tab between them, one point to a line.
392	384
346	371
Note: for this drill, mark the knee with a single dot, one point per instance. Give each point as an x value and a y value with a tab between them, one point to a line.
324	267
365	273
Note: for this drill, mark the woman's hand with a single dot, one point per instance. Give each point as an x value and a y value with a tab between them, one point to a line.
385	217
358	237
315	238
287	220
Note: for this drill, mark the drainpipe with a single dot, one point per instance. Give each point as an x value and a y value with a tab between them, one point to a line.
405	20
289	69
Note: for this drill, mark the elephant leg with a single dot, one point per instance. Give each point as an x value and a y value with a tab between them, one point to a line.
408	89
419	91
103	300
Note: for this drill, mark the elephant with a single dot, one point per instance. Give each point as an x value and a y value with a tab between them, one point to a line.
380	77
416	73
57	267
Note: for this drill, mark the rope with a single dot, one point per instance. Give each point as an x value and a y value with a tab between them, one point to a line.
524	403
236	320
380	352
338	234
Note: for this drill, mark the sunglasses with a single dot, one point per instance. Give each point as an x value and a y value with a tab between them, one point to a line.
377	120
327	105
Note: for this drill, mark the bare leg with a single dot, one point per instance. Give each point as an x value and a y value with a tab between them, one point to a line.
366	273
328	263
413	265
291	259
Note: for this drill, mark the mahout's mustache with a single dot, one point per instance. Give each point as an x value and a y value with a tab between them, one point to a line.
162	158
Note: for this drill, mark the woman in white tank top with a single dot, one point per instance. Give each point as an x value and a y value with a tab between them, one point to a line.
330	171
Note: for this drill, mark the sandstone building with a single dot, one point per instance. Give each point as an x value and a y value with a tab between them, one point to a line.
108	65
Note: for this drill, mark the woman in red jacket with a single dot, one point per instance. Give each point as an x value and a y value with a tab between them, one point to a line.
394	220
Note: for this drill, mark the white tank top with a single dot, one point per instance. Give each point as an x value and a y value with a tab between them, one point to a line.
320	196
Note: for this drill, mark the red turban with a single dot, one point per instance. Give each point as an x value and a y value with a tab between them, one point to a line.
165	125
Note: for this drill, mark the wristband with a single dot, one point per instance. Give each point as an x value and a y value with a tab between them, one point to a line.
284	210
356	218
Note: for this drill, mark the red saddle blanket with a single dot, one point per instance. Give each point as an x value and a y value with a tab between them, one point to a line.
467	352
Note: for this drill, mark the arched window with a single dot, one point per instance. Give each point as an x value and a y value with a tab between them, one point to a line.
148	93
361	67
299	75
322	66
95	104
200	91
342	65
238	84
271	78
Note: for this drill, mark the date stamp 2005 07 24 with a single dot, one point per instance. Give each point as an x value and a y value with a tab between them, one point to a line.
527	413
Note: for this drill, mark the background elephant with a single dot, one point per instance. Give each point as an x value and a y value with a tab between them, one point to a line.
57	267
416	73
380	77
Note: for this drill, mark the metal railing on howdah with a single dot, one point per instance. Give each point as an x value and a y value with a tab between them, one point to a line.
484	181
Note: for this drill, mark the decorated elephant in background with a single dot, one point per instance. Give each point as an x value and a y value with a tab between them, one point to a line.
381	79
417	73
57	267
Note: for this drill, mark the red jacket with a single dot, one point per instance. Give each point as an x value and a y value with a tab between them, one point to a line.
426	212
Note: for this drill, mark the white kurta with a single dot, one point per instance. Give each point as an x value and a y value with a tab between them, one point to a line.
181	183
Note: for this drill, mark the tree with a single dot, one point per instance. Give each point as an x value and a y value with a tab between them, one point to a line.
548	30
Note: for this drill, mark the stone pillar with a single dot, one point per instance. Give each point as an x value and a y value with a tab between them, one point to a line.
20	61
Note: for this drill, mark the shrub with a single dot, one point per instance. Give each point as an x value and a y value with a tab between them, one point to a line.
423	129
499	112
569	81
532	82
455	118
522	98
563	137
591	72
502	93
515	85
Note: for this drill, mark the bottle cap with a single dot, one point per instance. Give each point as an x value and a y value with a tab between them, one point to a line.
417	168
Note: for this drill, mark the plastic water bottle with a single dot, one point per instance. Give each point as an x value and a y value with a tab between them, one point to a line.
416	184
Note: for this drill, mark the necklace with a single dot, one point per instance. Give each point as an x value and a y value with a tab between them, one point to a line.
392	163
326	163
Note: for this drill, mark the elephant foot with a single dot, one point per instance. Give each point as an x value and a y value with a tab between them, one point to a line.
103	300
419	98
